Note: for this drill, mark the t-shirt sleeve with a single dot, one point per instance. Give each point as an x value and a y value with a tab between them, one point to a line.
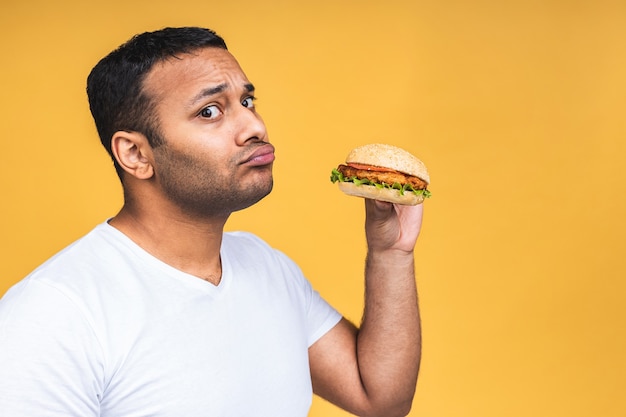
320	315
48	355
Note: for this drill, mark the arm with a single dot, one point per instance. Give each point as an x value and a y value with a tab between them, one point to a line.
372	371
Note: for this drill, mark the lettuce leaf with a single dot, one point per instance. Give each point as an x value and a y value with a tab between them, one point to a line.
335	176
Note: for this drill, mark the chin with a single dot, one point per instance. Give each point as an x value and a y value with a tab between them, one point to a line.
251	196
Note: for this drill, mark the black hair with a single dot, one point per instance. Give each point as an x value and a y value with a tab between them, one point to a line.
115	85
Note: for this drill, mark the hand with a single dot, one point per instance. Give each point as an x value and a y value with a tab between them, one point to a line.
391	226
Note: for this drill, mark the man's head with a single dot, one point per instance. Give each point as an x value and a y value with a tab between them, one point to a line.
176	112
117	99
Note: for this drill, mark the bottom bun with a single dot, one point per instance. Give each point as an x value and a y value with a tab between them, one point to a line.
382	194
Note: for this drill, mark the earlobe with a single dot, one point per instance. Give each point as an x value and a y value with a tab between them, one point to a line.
133	153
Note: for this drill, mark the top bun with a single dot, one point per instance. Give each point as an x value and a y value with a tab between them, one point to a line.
389	156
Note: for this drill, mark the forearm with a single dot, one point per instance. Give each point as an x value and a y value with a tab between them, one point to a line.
389	339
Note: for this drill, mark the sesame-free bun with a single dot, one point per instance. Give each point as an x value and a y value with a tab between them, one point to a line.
381	194
389	156
383	172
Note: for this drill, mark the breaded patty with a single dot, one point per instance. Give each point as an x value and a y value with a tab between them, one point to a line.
387	177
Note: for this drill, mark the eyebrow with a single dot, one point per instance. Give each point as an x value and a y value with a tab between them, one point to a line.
211	91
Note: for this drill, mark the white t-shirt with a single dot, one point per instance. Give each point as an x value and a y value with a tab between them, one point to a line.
105	329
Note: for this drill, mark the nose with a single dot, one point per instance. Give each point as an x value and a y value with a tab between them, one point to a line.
251	127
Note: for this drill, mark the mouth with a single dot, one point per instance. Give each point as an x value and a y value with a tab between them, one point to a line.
263	155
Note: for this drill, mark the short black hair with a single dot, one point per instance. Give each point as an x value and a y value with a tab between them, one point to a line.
115	85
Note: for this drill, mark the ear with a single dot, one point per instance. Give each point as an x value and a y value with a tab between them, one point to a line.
133	153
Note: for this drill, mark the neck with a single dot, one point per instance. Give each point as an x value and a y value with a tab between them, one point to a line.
188	244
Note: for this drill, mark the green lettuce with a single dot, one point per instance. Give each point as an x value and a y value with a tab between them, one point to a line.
338	176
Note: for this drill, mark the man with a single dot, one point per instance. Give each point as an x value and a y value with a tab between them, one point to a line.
158	312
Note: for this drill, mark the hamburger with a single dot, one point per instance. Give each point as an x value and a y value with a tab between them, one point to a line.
383	172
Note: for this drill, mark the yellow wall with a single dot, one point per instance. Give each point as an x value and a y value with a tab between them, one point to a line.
517	107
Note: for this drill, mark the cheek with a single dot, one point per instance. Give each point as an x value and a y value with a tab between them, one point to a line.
200	148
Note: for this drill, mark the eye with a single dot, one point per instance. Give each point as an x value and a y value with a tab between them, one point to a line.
248	102
210	112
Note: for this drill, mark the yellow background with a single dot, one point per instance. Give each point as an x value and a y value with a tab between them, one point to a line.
517	107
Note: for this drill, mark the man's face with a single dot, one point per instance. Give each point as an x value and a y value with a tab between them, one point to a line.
216	157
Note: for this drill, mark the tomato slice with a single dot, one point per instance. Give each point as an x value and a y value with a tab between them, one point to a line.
367	167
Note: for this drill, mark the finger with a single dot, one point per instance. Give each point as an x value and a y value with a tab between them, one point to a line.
378	209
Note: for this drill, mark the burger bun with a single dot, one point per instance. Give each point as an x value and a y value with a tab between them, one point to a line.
382	194
389	156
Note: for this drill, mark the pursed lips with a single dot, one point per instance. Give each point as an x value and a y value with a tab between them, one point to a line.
263	155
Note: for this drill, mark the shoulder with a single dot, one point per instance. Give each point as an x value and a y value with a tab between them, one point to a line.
82	257
239	238
248	245
250	252
76	275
